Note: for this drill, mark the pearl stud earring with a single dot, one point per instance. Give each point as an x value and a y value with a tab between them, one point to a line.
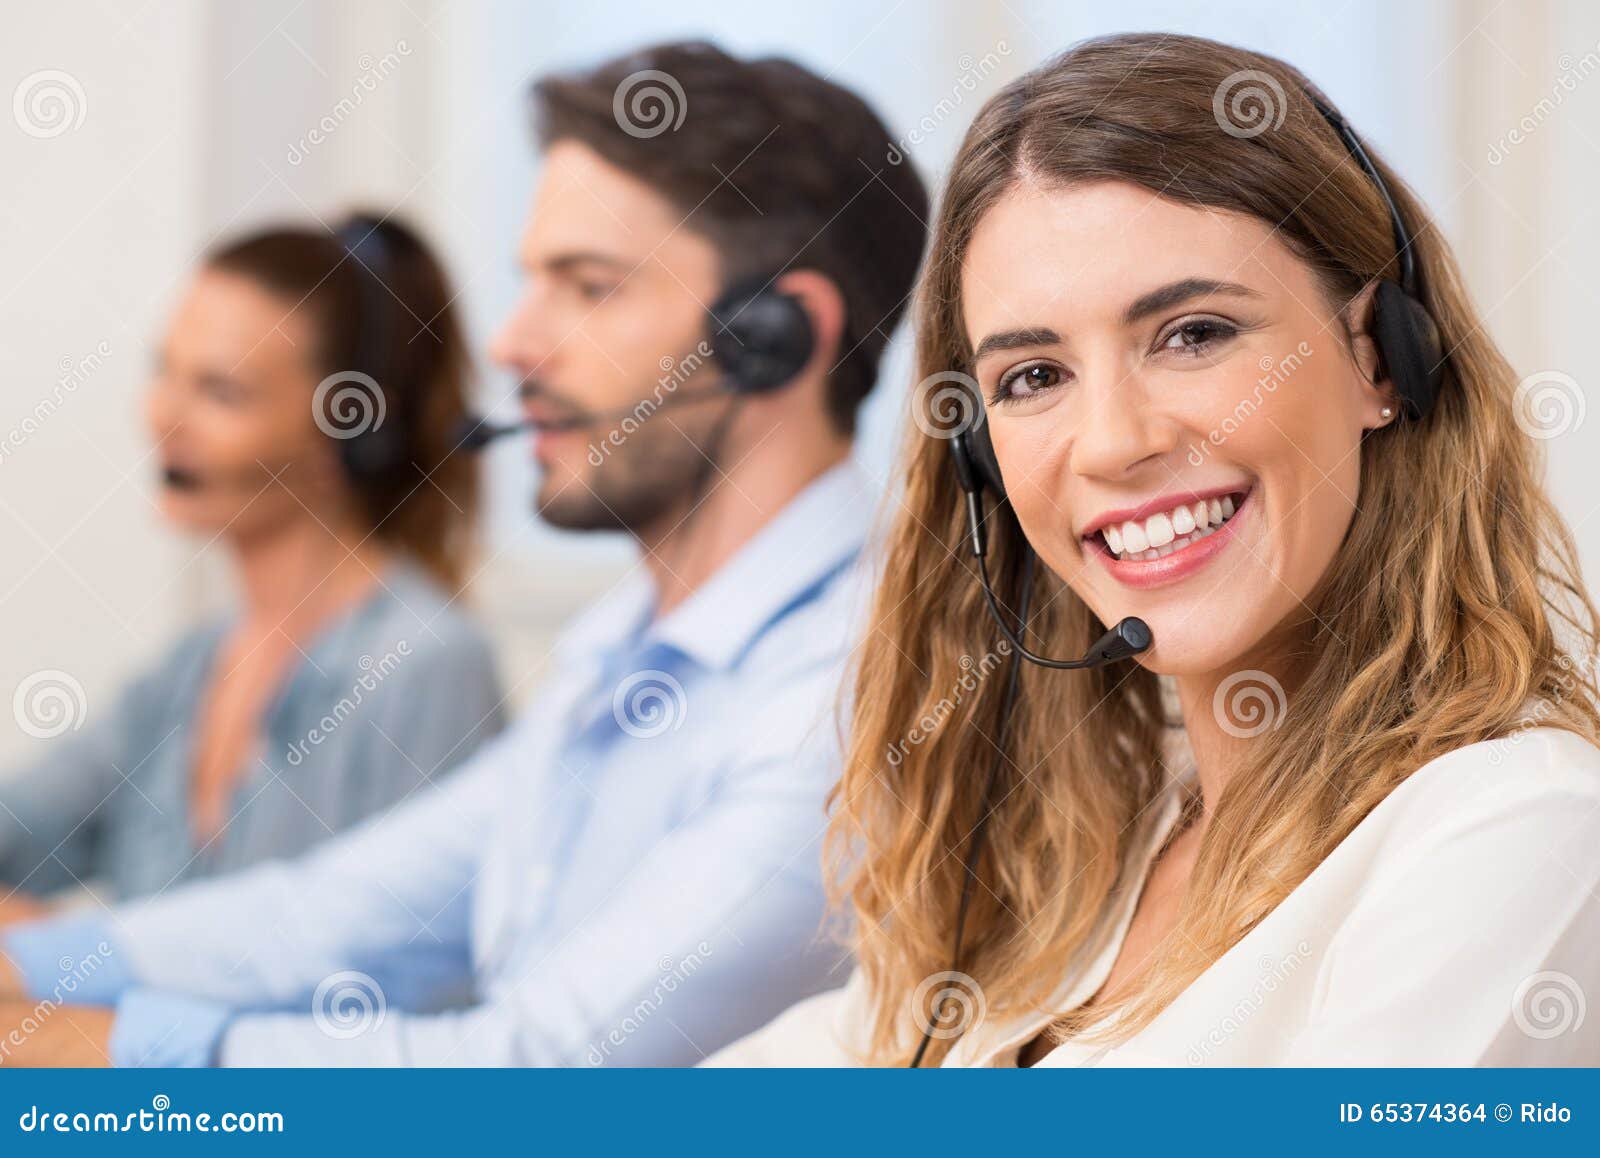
1386	413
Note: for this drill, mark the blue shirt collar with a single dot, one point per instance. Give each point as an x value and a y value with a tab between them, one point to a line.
818	532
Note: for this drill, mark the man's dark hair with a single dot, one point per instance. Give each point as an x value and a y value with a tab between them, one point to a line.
776	167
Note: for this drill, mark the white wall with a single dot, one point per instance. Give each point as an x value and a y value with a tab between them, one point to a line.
195	122
95	222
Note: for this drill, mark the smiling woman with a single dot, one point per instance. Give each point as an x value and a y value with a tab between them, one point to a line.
1315	822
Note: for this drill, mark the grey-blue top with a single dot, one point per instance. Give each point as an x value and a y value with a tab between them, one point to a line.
394	693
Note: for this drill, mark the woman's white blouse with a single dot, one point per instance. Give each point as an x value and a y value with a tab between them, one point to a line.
1458	924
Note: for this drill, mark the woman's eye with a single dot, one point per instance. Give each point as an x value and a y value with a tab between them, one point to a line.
225	392
1197	336
1025	381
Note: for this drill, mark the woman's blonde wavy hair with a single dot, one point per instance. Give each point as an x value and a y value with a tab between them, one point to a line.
1436	623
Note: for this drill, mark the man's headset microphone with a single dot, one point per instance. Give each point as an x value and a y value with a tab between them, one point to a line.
760	337
1412	358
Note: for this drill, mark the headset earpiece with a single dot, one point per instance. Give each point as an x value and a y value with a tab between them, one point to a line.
760	336
977	470
380	448
1408	343
976	445
1406	335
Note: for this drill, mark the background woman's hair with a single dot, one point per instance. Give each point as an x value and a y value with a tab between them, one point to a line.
425	506
1453	604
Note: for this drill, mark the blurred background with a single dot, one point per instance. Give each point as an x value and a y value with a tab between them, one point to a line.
167	125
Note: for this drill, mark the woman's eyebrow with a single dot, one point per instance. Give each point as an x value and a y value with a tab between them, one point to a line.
1163	298
1178	292
1016	339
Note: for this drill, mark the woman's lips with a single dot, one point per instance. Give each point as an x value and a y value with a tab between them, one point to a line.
1180	564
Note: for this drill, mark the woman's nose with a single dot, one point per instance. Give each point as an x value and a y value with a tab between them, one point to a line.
1119	428
162	410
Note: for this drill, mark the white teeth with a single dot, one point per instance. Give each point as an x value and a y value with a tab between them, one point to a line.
1162	534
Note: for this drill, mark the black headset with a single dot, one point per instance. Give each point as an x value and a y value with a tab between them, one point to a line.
381	447
1412	355
1405	333
760	336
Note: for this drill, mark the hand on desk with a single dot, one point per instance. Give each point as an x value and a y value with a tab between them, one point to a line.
37	1034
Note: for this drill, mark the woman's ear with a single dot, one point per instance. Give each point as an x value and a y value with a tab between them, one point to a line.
1379	401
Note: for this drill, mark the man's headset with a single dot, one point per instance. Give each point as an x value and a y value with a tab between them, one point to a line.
1413	359
760	337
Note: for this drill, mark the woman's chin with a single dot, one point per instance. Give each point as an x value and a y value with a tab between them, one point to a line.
1189	648
190	515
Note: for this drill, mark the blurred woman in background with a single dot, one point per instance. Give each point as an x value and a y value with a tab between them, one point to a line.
303	410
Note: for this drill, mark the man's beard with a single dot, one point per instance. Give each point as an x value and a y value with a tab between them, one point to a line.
659	469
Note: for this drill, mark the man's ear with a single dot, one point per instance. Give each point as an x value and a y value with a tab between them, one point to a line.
824	305
1377	392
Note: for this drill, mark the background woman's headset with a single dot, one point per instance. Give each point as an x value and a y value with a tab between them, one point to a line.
1413	359
377	448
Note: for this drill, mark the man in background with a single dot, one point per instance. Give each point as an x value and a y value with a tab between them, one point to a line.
631	874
